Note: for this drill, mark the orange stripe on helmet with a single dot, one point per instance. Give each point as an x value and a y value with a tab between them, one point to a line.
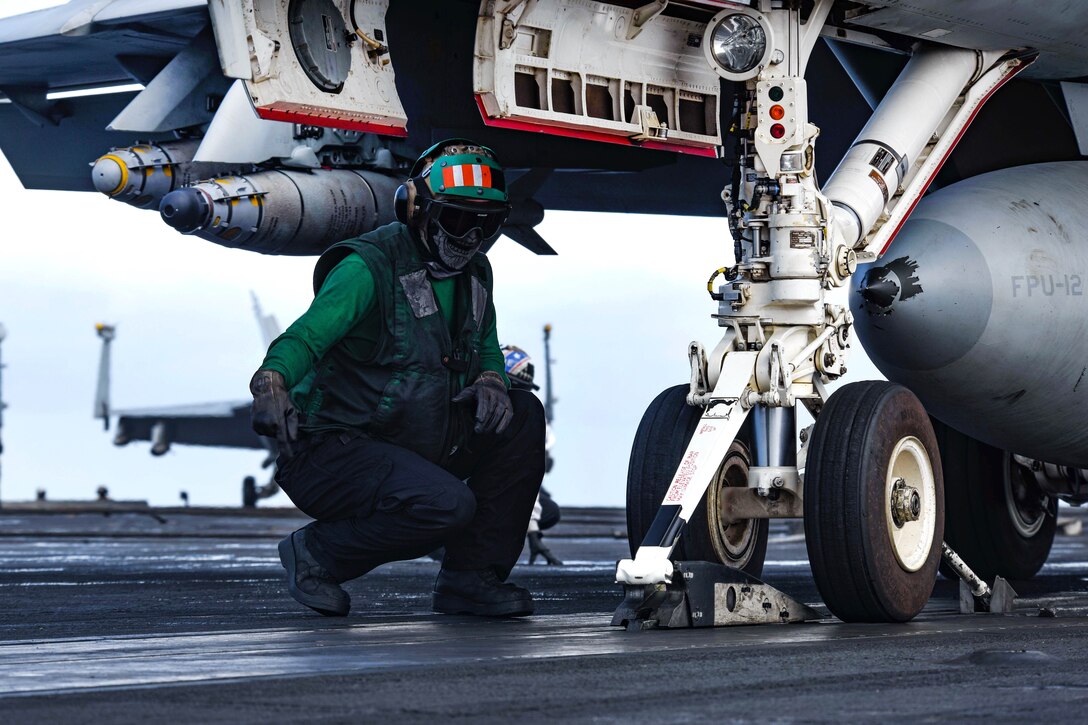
472	175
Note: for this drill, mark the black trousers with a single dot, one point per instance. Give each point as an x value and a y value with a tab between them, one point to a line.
375	502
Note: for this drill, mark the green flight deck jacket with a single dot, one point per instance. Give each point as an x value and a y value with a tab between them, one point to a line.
384	346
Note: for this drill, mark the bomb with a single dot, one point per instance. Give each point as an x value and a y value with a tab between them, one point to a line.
283	212
142	175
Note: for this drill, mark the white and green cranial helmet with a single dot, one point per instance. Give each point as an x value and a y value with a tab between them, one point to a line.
462	201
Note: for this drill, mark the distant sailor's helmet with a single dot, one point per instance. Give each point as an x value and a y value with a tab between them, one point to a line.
456	198
519	367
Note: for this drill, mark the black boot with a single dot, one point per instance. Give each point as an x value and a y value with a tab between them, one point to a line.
309	582
537	548
479	592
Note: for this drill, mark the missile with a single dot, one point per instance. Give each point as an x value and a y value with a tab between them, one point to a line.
979	306
281	211
142	175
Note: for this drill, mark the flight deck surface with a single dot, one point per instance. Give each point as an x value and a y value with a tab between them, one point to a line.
184	617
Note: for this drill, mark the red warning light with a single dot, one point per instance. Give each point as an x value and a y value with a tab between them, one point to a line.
777	112
778	130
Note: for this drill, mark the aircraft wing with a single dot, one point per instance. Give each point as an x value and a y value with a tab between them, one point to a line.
88	42
50	141
223	424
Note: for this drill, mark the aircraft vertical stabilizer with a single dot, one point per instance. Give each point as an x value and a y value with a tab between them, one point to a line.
270	327
102	393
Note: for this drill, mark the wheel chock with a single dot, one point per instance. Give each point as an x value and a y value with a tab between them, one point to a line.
703	594
999	598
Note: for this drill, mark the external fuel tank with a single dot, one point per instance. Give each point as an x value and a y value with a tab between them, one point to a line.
979	306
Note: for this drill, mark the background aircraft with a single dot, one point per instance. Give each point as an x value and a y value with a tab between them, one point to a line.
224	424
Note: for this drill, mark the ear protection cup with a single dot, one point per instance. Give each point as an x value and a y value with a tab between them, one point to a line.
404	201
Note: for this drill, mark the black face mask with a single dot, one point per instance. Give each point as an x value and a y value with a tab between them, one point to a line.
456	231
453	252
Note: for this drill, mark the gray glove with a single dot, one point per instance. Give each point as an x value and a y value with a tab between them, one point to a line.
273	414
494	411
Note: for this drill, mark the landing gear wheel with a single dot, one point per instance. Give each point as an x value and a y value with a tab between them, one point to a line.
874	503
996	516
662	437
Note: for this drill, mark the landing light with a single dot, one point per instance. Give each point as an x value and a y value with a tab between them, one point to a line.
737	44
792	162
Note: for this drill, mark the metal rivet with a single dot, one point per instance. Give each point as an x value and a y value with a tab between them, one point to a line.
441	188
480	192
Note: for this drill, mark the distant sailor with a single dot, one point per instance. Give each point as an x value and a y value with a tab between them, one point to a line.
389	400
521	373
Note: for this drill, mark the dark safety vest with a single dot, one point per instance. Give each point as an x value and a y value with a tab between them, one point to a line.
399	390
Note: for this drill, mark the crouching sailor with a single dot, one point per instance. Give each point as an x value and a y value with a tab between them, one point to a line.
397	430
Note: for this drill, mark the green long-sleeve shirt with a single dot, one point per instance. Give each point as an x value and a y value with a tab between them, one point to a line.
347	301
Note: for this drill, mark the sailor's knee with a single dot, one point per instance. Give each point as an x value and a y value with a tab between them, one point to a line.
530	411
464	509
453	507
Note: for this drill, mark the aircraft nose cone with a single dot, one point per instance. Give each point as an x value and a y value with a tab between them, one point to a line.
926	303
108	175
185	210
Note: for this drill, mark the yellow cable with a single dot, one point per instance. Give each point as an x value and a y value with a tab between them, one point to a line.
710	282
369	41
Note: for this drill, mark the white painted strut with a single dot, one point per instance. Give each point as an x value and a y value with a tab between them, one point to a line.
933	156
704	455
880	159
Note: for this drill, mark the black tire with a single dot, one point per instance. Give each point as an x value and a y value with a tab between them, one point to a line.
996	517
857	569
662	437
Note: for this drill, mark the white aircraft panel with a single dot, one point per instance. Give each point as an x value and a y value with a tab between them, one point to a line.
328	64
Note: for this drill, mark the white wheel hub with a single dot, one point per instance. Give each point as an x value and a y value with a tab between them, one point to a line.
910	503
